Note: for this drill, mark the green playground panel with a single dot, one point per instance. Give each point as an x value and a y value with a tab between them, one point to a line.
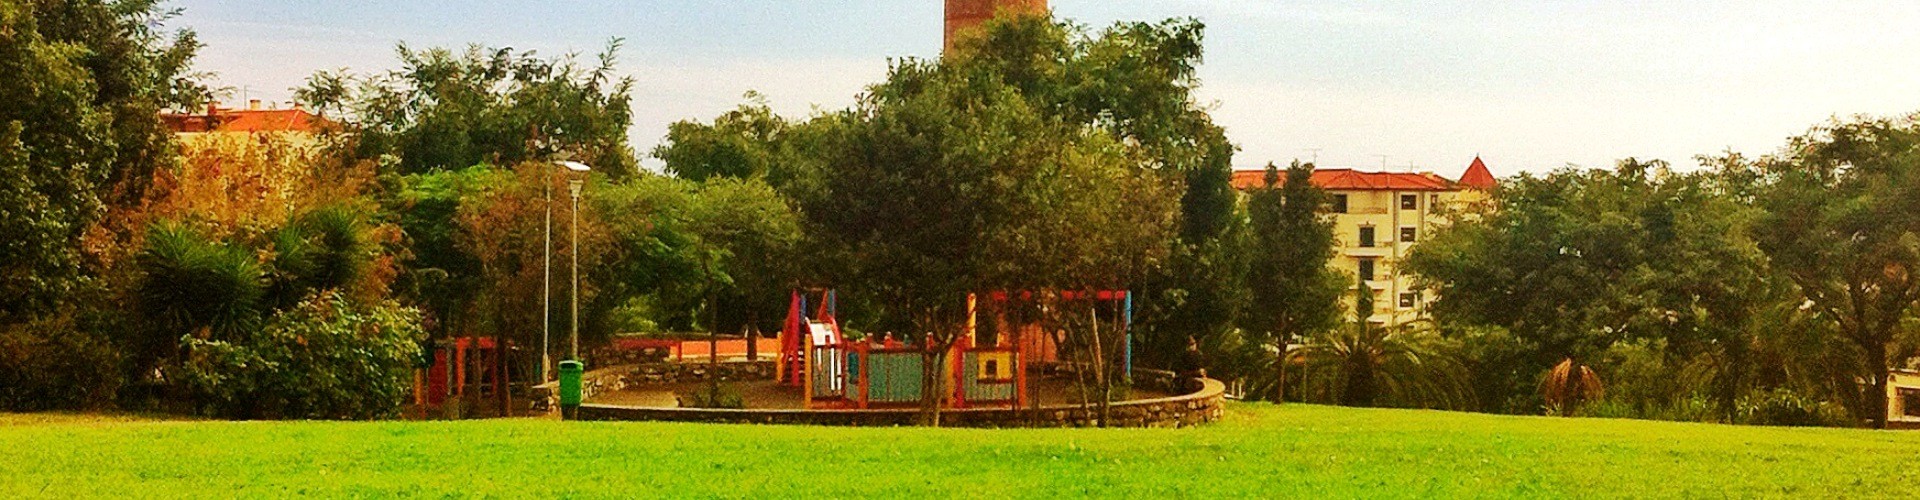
895	377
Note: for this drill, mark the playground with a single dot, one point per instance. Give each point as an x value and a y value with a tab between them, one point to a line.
1003	371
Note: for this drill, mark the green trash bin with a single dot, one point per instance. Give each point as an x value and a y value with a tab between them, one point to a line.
571	372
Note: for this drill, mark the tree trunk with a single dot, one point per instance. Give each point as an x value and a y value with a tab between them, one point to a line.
930	386
752	333
1876	400
1280	372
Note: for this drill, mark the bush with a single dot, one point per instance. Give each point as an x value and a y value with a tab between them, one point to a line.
714	396
190	281
52	364
1786	408
326	358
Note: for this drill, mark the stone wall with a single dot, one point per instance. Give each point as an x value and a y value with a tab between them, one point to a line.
546	396
1200	403
728	371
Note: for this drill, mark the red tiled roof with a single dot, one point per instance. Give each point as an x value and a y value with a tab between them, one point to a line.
1346	179
1478	177
227	120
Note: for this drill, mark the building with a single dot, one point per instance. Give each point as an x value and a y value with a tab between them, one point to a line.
1378	218
1903	399
254	119
964	15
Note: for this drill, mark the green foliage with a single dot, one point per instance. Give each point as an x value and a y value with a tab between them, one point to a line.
191	282
1843	224
1576	261
326	358
441	278
78	133
1363	364
748	142
1785	408
1295	293
57	363
447	110
325	249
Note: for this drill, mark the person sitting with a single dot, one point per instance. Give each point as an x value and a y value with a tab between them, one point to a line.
1191	363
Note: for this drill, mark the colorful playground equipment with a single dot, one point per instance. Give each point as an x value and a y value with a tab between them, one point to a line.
833	372
448	376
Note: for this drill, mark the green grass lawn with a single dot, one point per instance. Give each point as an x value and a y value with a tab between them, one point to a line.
1259	450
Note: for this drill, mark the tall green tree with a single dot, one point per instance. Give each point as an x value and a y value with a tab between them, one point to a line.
946	181
79	133
1136	81
448	110
1295	292
1575	261
1843	223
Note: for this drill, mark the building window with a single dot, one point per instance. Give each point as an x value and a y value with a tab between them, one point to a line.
1339	203
1910	402
1366	269
1433	200
1409	202
1408	299
1409	235
1366	237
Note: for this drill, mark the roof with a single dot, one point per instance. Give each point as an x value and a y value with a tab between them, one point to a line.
1346	179
1478	177
229	120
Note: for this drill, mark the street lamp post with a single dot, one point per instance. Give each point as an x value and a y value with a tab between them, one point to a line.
546	270
574	184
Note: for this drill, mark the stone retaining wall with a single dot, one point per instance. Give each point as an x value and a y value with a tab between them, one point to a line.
1200	403
546	396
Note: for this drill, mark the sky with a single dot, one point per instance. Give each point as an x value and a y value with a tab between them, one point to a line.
1411	86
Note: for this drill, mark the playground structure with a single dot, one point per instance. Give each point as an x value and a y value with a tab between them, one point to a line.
833	372
449	377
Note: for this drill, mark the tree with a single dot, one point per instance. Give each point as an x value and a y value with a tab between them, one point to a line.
1843	223
447	110
1136	81
79	136
1576	261
1295	292
1364	364
947	182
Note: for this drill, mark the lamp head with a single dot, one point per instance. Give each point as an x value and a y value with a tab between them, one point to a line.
576	166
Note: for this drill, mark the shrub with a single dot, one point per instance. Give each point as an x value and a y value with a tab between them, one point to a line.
325	249
1786	408
52	364
325	358
713	396
191	281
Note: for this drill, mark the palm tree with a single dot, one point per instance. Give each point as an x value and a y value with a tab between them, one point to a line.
1364	364
1569	385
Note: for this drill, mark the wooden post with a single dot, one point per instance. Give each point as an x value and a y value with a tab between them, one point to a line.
806	371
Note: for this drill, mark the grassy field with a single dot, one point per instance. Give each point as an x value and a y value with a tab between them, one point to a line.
1259	450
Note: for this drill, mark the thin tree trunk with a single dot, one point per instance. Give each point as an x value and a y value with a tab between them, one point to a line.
1280	372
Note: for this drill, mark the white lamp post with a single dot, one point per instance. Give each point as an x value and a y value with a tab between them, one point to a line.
574	185
546	278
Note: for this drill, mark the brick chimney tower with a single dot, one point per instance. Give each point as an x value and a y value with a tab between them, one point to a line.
963	15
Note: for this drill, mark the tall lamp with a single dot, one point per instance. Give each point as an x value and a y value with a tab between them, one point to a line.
546	278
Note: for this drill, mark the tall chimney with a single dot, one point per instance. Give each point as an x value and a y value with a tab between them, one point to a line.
965	15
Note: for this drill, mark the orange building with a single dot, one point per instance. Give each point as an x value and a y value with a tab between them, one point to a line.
963	15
